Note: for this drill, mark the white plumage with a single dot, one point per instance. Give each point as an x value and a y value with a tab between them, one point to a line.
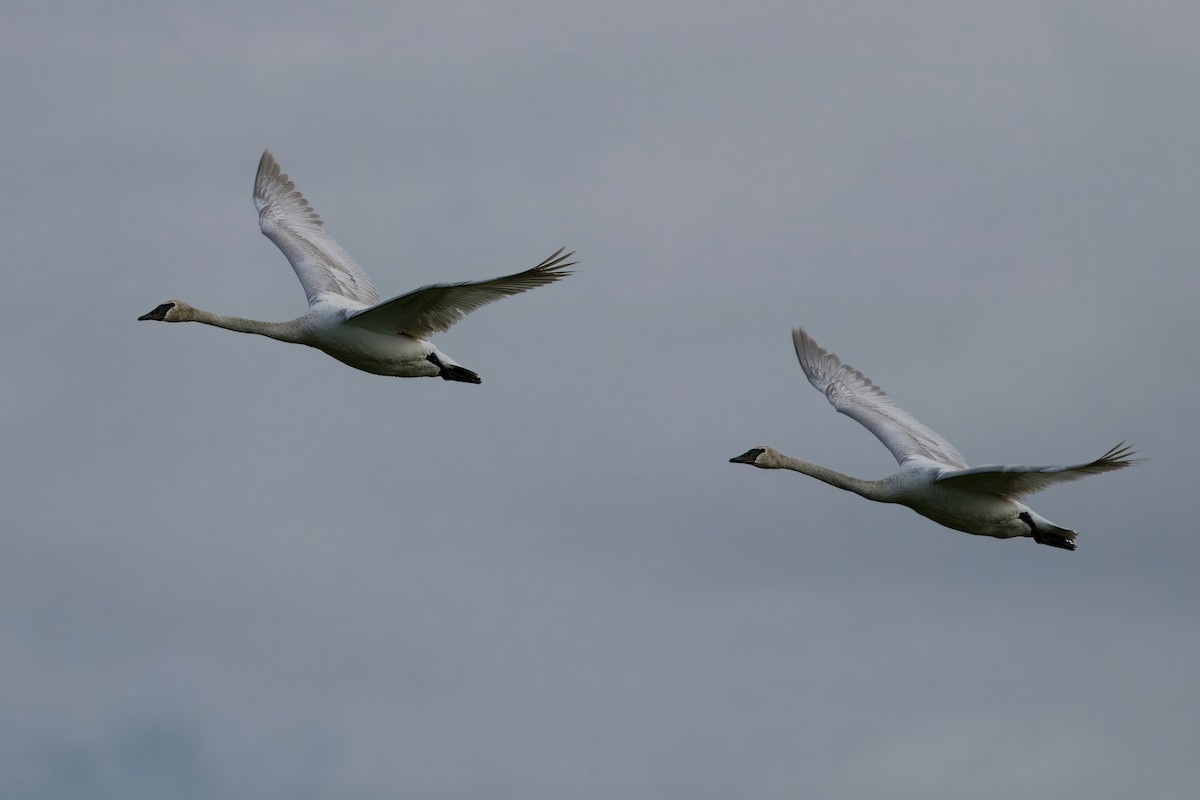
345	318
934	479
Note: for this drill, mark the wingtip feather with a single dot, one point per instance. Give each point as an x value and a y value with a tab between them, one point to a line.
557	263
810	354
1122	455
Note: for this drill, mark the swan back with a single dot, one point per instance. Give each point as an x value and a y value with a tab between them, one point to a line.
853	394
287	219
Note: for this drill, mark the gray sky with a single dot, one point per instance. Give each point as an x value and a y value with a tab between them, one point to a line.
236	568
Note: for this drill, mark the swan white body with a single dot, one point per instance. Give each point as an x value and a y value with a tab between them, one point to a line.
345	318
934	479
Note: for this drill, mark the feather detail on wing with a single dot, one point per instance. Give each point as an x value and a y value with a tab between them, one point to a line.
287	219
437	307
1015	482
851	393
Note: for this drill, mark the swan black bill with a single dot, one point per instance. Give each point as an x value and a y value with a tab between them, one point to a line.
748	457
159	313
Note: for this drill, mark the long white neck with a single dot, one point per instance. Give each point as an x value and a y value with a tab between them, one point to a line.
289	331
872	490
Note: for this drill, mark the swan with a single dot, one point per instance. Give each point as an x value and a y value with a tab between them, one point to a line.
345	318
933	479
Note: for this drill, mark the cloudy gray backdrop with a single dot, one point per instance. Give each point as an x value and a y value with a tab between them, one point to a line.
235	568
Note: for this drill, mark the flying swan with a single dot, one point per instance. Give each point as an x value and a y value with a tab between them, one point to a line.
345	318
933	480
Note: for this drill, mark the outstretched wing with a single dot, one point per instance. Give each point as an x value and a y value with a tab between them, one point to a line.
851	393
287	219
1015	482
437	307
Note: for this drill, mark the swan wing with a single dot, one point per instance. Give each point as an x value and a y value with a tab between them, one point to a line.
287	219
438	306
853	394
1015	482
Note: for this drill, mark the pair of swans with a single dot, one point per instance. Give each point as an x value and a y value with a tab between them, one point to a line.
346	320
934	479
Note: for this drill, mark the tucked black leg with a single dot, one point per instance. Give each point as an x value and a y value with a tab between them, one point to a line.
452	372
1046	537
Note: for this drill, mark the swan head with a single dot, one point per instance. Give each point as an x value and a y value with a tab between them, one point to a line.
173	311
761	457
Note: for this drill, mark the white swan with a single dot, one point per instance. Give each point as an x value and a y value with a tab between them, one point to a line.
933	480
345	318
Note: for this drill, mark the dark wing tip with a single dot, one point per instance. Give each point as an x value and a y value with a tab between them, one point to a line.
1120	456
557	263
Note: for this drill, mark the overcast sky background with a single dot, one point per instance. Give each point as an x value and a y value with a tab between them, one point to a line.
236	568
